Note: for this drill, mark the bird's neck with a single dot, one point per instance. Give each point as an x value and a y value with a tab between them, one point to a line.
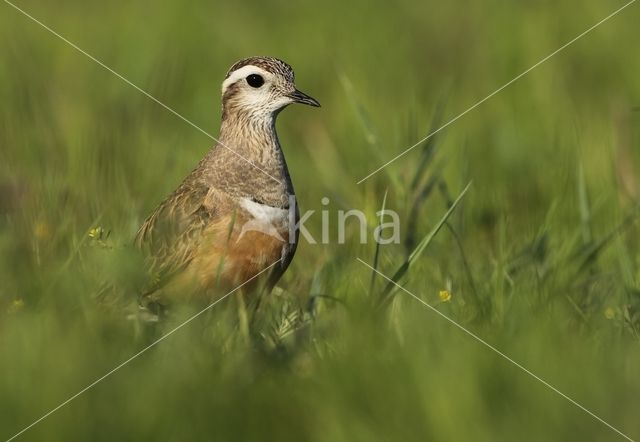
249	159
249	133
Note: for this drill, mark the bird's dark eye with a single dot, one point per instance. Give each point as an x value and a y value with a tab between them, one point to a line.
255	80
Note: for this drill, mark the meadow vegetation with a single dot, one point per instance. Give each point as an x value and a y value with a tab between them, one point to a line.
540	257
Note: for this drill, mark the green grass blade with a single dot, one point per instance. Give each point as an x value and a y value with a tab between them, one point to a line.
376	254
429	147
420	248
427	239
585	209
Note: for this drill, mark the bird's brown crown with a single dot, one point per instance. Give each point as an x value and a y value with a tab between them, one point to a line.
269	64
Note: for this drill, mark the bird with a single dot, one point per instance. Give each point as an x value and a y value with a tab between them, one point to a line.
235	214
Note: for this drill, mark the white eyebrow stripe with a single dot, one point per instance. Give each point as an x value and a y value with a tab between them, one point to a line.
243	72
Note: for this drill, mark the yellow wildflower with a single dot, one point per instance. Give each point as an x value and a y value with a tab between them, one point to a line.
15	306
96	232
42	231
609	313
445	295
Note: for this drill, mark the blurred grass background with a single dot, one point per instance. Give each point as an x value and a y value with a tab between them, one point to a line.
541	258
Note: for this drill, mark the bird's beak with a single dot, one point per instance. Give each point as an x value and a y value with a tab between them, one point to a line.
301	97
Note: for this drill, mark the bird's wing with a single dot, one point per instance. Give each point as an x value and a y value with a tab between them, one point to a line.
170	235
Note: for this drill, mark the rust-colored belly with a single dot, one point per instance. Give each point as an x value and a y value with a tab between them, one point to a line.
230	253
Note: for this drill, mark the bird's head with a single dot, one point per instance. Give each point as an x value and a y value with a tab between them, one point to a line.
261	87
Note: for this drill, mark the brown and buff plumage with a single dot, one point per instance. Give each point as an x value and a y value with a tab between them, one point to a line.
230	218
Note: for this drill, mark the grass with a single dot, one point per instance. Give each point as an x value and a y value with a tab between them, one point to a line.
541	257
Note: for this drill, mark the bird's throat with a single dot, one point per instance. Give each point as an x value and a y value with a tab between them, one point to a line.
249	147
